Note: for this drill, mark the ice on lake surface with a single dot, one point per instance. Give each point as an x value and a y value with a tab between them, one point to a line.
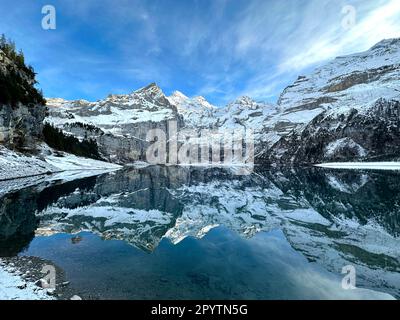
193	233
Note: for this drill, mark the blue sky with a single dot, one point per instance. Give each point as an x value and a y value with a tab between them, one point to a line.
220	49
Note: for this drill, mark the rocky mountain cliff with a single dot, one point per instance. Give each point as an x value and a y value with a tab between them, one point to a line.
119	123
354	103
22	107
371	134
344	110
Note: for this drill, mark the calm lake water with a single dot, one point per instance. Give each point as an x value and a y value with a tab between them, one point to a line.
185	233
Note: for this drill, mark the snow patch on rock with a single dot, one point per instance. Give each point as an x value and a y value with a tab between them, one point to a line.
337	147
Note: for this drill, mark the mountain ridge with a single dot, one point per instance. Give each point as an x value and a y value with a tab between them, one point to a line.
334	90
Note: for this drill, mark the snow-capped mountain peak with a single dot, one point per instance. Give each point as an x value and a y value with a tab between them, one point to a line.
117	115
152	90
177	94
245	103
245	112
351	103
178	98
182	102
354	80
245	100
196	112
386	46
203	102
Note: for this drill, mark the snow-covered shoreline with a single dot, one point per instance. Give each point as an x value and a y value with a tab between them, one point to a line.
18	170
361	165
14	165
23	278
14	287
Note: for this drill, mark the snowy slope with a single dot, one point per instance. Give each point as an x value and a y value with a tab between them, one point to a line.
346	110
237	117
245	112
14	287
197	112
241	113
356	80
112	114
17	165
118	124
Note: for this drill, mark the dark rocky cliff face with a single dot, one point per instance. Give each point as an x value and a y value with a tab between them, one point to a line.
21	126
125	148
369	135
22	107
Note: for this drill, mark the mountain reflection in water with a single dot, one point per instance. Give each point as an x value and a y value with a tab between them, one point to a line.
314	217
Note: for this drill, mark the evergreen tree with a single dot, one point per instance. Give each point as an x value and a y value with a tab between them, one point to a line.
18	80
56	139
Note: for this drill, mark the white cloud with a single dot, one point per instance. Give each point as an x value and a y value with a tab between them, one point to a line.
382	22
280	41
